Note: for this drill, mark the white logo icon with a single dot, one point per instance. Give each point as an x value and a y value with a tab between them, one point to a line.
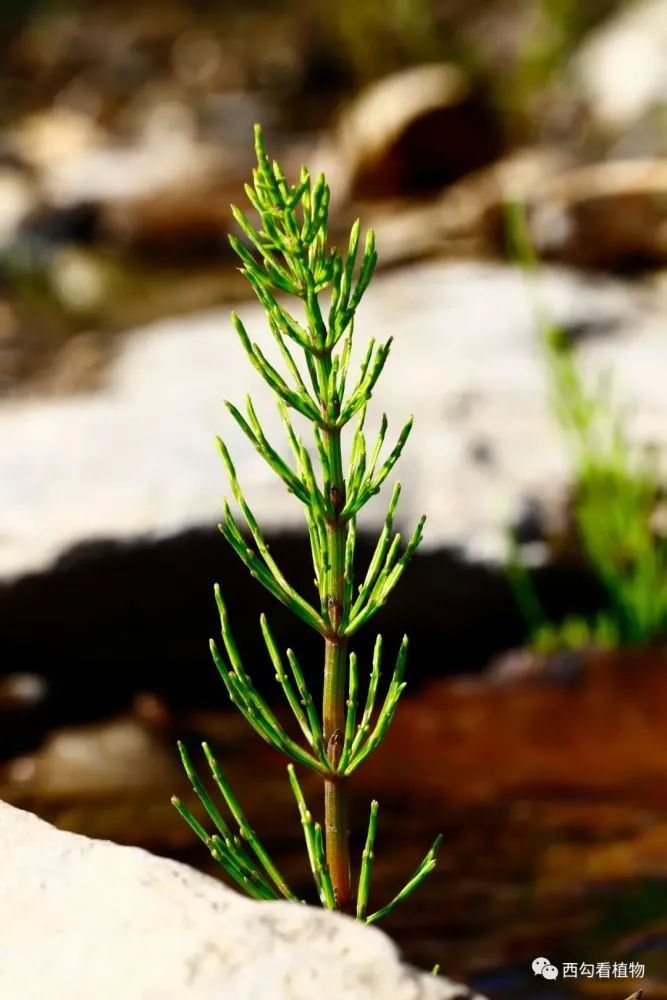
543	967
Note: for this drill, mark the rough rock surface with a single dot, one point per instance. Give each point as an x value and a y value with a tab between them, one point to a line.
138	459
81	918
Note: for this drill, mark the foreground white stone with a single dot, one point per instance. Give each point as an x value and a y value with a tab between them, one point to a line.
138	458
83	919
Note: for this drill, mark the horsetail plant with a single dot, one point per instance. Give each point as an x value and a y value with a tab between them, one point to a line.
289	255
618	501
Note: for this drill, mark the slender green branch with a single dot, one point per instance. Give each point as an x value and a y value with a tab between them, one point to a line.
420	873
351	716
362	749
245	830
309	724
285	594
379	556
386	580
255	710
230	849
314	845
243	694
367	863
256	436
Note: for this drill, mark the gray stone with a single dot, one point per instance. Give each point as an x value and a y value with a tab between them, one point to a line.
137	458
81	918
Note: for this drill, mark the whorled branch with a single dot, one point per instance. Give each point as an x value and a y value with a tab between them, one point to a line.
287	253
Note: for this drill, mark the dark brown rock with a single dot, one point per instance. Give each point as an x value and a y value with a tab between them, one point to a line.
467	218
414	132
185	224
611	215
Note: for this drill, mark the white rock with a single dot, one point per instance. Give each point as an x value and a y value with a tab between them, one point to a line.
138	457
76	162
103	174
622	68
81	918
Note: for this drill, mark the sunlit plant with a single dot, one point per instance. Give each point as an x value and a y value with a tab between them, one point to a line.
288	255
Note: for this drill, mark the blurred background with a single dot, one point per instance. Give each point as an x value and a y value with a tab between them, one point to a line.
533	730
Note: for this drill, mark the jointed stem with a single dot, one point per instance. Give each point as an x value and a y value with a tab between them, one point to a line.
335	790
333	707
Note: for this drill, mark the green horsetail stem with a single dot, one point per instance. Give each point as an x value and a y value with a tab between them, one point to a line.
286	255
